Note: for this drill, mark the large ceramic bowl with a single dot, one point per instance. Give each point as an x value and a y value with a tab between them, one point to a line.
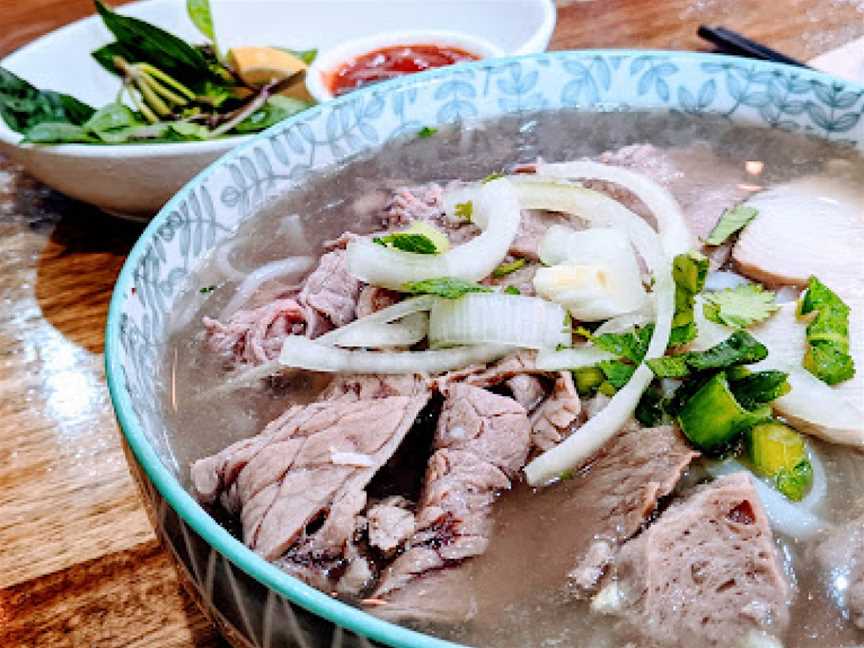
253	602
135	180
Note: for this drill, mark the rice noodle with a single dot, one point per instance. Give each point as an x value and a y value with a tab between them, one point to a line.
795	519
302	353
674	238
289	267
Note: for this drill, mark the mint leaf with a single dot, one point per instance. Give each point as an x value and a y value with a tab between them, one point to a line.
512	290
492	176
731	221
416	243
446	287
426	131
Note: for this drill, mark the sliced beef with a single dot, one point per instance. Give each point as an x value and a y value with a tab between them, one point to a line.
520	362
391	523
705	573
255	336
527	390
841	556
422	202
329	295
353	387
521	279
373	299
481	442
619	491
554	420
299	486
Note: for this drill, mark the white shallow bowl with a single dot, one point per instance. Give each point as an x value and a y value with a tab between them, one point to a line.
137	179
317	78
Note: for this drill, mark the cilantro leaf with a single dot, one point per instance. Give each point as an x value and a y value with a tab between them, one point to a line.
506	268
426	131
465	210
730	222
446	287
741	306
407	242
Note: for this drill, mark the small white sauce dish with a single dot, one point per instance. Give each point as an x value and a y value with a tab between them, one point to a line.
327	63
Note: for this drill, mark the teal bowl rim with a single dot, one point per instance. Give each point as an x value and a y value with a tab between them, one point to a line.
180	500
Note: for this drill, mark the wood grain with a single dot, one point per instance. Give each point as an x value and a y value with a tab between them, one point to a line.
79	565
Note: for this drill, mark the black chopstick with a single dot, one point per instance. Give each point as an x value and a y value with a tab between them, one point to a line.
731	42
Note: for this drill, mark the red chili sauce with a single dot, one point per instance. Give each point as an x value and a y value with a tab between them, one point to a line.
389	62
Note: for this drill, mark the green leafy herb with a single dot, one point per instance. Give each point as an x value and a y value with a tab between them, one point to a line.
632	345
512	290
22	106
202	18
730	222
741	306
276	109
827	356
426	131
740	348
465	210
111	117
206	289
617	372
446	287
689	272
146	43
407	242
492	176
58	133
506	268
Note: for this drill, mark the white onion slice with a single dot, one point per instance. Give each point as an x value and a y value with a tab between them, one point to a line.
383	316
595	433
553	194
302	353
627	322
586	356
665	209
723	279
289	267
498	318
794	519
495	205
594	273
382	335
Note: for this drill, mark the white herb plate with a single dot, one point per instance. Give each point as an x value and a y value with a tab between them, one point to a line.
135	180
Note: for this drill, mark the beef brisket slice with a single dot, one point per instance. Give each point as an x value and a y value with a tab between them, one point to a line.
481	442
310	465
704	574
619	491
330	292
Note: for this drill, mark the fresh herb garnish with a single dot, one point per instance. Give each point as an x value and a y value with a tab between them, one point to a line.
201	17
512	290
426	131
22	106
446	287
465	210
407	242
689	272
206	289
731	221
507	268
741	306
827	356
740	348
492	176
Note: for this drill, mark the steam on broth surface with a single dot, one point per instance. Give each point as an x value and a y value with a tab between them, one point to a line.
519	581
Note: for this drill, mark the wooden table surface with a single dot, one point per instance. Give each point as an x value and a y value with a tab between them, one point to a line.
79	564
